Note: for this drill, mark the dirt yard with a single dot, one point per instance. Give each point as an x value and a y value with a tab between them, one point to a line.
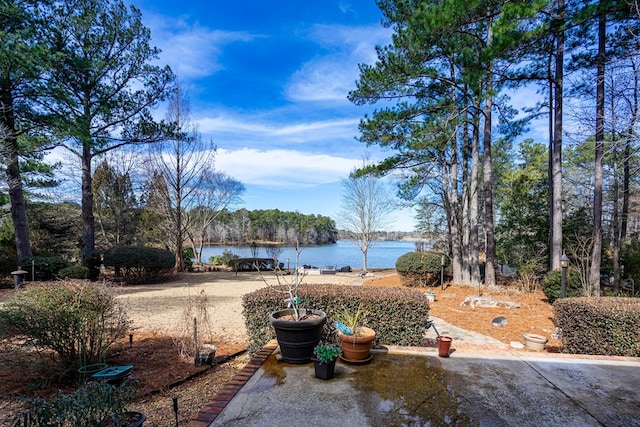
160	311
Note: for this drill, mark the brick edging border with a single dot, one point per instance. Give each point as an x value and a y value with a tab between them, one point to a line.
210	412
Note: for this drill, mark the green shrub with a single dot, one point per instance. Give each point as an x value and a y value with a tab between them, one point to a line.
419	268
46	267
77	320
226	258
138	263
608	326
74	272
89	405
93	263
398	315
187	258
552	284
8	255
630	258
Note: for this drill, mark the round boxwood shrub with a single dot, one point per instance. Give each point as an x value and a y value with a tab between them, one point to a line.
419	268
139	263
74	272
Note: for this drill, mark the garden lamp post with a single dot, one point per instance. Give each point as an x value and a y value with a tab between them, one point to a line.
564	263
442	264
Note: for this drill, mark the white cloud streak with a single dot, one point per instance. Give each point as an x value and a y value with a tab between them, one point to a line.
282	168
331	76
192	51
252	129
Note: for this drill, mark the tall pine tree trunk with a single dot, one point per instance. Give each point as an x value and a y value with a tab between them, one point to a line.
556	155
474	246
487	172
615	219
10	151
596	257
626	179
87	243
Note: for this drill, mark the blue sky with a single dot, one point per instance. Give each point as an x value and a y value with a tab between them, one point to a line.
268	83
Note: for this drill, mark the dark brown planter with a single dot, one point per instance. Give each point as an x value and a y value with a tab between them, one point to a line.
357	348
297	339
324	370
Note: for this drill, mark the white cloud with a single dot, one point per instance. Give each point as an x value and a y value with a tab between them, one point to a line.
258	132
191	50
330	77
282	168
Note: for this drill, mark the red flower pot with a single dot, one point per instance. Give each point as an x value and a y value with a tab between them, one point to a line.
444	345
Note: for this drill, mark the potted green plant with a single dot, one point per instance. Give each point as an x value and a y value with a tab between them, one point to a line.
324	360
356	340
298	329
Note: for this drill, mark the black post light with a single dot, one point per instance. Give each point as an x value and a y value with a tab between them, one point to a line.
443	262
564	263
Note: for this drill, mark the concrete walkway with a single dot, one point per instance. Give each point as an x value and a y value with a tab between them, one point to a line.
483	382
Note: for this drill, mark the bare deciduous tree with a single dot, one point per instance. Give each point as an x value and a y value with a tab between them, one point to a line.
366	209
179	167
215	193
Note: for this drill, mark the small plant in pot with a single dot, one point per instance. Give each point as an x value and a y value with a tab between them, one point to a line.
298	329
356	340
324	360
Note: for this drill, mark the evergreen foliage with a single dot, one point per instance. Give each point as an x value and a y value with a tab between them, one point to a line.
607	326
421	268
102	87
396	314
552	284
137	263
90	405
74	272
46	267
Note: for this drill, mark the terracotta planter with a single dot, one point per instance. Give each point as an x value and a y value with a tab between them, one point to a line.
297	339
534	341
324	370
357	348
444	345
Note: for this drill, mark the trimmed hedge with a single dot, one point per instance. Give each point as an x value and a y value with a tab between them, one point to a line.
608	326
419	268
139	263
398	315
74	272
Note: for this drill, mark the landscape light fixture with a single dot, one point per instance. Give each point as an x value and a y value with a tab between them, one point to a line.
443	262
564	263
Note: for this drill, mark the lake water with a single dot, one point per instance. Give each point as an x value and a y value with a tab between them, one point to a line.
381	254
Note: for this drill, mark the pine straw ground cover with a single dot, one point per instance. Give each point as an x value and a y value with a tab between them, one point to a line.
535	314
161	373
